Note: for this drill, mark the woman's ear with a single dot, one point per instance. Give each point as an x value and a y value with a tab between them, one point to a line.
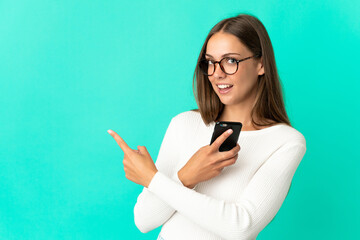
261	70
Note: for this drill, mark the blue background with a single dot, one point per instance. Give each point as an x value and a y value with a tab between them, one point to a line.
71	70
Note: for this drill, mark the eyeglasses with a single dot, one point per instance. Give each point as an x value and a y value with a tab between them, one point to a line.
228	65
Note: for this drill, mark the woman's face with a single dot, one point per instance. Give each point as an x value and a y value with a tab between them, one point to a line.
244	80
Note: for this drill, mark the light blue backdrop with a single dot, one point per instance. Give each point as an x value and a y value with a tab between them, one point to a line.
71	70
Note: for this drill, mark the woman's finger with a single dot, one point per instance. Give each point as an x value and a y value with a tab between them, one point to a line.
123	145
217	143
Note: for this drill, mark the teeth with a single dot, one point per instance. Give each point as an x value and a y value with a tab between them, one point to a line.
224	86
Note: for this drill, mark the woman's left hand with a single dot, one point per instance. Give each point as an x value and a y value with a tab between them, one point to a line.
138	164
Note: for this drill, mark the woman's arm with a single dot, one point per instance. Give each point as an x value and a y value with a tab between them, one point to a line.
256	207
150	211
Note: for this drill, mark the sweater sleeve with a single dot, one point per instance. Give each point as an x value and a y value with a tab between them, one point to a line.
150	211
249	214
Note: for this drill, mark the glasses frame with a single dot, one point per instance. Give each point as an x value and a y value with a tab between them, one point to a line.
221	67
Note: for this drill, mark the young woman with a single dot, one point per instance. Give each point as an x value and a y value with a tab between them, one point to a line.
197	192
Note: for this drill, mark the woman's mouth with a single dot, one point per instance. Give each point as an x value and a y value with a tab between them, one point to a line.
223	89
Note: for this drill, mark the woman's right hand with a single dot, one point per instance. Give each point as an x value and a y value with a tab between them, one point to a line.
208	162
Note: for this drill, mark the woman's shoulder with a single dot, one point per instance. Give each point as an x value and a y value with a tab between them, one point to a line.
291	135
186	121
190	115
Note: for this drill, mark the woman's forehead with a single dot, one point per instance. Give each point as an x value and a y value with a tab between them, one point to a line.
221	43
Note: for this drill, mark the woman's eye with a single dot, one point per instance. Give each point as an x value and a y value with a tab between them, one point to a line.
231	60
209	61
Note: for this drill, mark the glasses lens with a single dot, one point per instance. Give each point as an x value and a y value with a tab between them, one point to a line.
229	65
206	67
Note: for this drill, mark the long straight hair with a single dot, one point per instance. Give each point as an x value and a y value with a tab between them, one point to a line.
269	106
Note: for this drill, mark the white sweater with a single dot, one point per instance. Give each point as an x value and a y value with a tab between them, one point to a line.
236	204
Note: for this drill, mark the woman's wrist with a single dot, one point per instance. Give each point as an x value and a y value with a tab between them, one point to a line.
184	180
150	178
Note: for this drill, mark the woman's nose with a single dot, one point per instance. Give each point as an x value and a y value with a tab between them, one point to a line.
218	71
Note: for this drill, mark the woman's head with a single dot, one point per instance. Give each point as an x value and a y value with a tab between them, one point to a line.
255	77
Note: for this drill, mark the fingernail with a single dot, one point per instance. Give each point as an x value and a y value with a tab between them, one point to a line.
109	131
229	131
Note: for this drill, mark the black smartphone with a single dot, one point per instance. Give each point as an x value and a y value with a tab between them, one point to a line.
231	141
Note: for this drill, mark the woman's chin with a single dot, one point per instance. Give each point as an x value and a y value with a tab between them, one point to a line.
226	101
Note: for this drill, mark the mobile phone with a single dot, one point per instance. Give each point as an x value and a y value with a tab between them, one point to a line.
231	141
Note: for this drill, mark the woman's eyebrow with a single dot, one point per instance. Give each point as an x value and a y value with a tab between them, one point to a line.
223	55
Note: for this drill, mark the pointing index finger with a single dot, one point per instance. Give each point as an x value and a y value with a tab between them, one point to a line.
123	145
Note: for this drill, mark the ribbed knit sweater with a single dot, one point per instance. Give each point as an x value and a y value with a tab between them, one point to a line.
236	204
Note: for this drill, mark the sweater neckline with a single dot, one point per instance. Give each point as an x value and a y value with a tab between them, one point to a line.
255	132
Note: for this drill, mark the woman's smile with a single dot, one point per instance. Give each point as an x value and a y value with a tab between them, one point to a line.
224	90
